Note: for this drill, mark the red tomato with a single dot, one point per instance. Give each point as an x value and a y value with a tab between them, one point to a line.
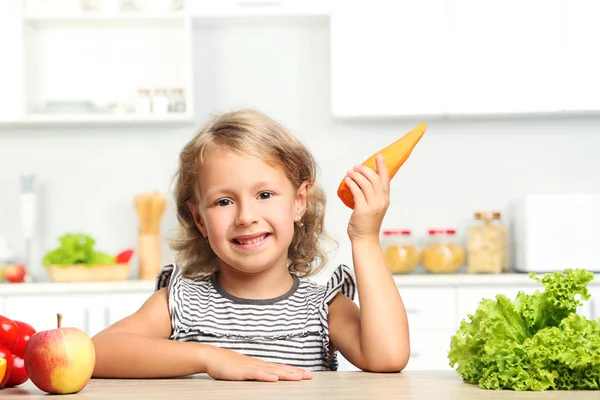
25	332
8	331
18	374
4	353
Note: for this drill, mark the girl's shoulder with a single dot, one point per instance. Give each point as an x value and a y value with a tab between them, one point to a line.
171	274
342	281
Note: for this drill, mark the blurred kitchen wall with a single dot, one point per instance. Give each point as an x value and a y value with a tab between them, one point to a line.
87	176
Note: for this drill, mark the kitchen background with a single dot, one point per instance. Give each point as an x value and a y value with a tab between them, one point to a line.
87	175
513	127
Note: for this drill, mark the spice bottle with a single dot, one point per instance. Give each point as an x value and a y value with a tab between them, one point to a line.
488	245
401	254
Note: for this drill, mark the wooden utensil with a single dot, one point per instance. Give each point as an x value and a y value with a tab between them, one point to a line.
150	208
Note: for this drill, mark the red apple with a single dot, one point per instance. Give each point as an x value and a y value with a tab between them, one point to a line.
15	273
61	360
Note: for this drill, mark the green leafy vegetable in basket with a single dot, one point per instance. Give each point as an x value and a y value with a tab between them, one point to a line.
77	249
536	342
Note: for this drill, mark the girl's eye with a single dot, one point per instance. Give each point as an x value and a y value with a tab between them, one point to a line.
265	195
223	202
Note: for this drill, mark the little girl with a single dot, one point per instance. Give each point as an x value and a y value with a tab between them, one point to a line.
238	303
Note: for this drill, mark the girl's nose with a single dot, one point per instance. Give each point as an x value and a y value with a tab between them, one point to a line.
247	214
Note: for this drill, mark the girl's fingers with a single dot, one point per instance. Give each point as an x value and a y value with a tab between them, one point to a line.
357	193
262	375
288	373
383	173
363	182
377	183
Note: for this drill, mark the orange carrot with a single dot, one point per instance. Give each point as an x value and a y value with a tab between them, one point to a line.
394	155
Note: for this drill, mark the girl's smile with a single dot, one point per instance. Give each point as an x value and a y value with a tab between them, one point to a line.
251	242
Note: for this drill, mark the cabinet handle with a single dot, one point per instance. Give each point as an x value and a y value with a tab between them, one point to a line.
593	309
412	310
86	321
106	317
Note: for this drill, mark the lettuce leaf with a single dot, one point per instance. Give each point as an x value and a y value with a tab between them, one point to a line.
536	342
77	249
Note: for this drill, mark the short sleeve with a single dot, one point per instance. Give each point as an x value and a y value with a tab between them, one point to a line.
170	277
164	277
342	281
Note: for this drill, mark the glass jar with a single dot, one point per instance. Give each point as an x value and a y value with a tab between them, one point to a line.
443	254
160	102
487	245
144	102
401	254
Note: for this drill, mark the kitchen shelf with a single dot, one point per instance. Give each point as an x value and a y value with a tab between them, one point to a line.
97	119
78	67
45	20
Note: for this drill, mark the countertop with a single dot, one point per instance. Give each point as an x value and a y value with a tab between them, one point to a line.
324	385
408	280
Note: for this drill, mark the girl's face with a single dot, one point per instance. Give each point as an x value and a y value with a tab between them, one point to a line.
247	210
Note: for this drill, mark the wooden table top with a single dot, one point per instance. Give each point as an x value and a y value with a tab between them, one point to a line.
437	385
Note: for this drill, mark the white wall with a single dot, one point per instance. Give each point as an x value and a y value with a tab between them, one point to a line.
88	176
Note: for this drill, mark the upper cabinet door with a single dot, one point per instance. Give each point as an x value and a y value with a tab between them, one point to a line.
464	57
12	104
388	58
581	58
504	56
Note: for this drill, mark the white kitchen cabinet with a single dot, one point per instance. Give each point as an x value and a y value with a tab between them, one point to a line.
463	57
432	320
90	312
11	68
428	307
580	60
111	308
429	349
70	65
503	56
40	311
388	58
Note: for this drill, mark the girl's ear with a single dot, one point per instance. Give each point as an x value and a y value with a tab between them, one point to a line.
197	219
302	200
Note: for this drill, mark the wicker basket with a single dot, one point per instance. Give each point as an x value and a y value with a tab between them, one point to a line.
83	273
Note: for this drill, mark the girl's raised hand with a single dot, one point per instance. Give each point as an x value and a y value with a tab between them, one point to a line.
371	191
232	366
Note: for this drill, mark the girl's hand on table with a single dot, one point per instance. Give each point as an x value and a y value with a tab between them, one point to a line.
232	366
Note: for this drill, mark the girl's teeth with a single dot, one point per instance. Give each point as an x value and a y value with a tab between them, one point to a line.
255	240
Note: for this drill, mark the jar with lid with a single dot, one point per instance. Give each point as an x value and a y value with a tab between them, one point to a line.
443	254
487	245
144	102
401	254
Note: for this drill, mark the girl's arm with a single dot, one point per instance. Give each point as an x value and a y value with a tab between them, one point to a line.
138	346
376	337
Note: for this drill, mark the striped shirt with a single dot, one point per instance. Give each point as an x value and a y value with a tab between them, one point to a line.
290	329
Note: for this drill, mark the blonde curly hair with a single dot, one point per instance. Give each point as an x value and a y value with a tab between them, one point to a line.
248	132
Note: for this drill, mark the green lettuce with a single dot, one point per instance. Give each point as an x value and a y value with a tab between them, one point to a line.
77	249
536	342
